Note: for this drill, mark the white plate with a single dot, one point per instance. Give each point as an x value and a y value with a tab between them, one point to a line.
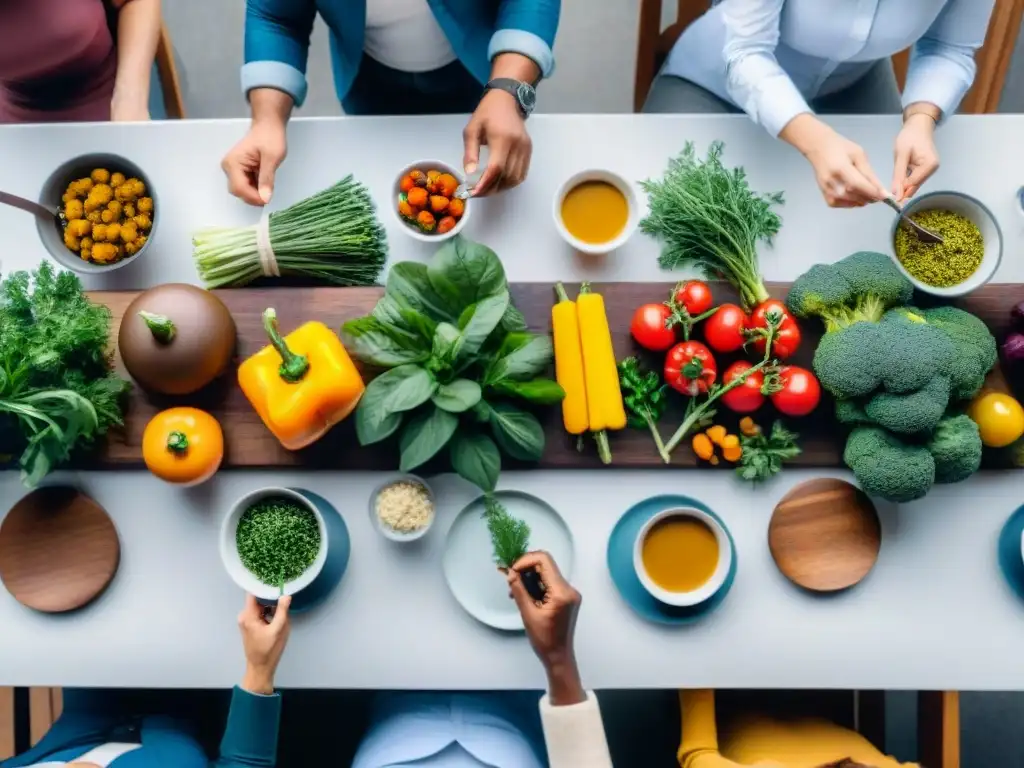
469	566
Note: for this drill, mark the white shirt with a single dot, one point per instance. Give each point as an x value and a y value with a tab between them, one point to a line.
404	35
770	56
103	755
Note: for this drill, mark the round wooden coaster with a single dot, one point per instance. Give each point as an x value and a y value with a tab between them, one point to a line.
825	535
58	550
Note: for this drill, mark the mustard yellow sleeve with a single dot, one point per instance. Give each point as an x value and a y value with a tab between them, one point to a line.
699	745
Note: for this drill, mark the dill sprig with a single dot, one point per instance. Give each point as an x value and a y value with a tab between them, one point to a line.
510	537
707	217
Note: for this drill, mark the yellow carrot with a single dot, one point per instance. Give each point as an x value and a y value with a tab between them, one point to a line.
569	363
604	395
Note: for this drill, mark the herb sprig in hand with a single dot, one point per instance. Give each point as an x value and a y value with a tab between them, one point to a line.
510	538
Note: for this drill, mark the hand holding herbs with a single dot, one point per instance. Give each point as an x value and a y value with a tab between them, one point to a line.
458	359
510	538
277	539
58	392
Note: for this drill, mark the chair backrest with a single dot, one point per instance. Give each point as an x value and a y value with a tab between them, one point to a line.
167	71
654	44
6	723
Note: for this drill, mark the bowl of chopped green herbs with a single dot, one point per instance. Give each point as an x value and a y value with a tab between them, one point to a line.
970	254
273	542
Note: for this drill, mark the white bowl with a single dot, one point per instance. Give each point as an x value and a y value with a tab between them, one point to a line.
628	191
241	575
706	590
414	232
387	531
970	208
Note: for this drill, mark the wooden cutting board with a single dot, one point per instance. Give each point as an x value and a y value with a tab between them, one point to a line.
825	535
249	444
59	550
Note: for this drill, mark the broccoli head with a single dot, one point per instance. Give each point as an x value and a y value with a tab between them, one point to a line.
975	351
911	413
849	363
860	287
956	447
888	467
851	412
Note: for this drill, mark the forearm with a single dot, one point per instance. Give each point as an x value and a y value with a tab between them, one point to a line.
138	33
803	132
270	107
515	66
573	729
565	687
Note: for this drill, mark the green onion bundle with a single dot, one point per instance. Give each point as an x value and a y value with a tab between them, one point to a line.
333	236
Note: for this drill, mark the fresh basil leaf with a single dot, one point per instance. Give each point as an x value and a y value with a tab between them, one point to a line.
396	391
485	318
373	342
523	363
536	391
481	412
371	428
513	341
517	432
476	458
513	319
424	435
447	344
464	272
459	396
411	323
408	284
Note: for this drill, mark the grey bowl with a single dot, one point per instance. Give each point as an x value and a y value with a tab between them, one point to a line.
53	189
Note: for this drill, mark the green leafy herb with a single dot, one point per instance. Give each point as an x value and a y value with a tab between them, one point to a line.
707	217
510	537
763	454
458	359
58	392
644	395
277	540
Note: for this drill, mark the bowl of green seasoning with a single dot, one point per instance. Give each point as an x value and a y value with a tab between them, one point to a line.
273	542
968	257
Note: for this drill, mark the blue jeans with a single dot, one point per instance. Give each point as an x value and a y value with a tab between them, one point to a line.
381	90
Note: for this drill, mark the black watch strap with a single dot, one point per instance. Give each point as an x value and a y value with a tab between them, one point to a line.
524	93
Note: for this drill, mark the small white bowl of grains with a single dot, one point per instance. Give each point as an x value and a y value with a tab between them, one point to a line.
402	509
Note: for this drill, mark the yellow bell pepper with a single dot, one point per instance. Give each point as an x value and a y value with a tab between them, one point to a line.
604	393
301	385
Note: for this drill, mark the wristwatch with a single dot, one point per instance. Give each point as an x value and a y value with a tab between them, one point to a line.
524	93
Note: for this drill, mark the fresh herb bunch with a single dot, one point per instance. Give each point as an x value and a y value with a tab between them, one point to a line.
58	391
333	236
707	217
510	536
457	357
764	453
644	394
277	540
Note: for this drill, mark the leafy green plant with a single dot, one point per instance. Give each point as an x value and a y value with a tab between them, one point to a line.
459	362
58	392
510	536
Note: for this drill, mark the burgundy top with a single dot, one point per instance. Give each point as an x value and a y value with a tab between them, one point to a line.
57	61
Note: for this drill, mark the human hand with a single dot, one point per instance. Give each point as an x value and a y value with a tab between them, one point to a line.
916	156
264	642
251	164
498	124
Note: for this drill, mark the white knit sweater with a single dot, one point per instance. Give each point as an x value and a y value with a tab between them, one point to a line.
575	734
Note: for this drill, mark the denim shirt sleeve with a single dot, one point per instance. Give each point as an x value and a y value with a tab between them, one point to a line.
277	45
527	27
250	738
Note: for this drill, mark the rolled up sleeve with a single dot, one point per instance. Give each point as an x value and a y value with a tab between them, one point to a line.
277	45
527	27
754	79
942	67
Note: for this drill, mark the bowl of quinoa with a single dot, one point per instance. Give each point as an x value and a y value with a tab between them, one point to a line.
402	508
970	254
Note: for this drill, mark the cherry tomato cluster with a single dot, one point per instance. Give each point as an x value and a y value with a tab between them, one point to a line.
691	368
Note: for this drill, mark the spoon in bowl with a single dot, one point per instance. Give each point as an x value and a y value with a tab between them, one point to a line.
923	234
465	189
44	212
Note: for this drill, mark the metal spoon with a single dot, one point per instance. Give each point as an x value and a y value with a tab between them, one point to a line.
923	234
465	189
42	211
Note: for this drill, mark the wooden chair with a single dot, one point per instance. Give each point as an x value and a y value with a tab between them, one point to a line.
993	59
6	723
167	74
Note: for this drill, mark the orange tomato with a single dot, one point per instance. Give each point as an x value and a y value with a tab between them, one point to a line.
407	183
447	184
457	207
438	203
406	210
183	445
417	175
446	225
417	197
426	221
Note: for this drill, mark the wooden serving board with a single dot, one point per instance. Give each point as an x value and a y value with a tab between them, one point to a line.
250	444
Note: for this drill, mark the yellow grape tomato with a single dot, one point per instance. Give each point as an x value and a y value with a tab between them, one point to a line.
999	417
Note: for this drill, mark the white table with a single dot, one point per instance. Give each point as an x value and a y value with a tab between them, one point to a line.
934	614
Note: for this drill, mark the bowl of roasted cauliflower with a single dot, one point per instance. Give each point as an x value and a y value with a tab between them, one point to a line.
107	213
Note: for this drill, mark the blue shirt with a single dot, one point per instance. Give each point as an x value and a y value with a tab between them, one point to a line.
770	56
277	37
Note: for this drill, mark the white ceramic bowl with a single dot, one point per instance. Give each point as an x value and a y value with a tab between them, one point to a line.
970	208
241	575
628	191
387	531
706	590
414	232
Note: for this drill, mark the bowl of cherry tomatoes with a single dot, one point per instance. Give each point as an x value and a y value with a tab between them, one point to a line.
425	201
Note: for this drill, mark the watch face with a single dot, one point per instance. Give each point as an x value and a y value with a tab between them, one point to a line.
527	96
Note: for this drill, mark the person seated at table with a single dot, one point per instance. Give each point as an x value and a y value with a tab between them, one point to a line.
59	61
399	57
96	731
795	735
500	730
782	61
